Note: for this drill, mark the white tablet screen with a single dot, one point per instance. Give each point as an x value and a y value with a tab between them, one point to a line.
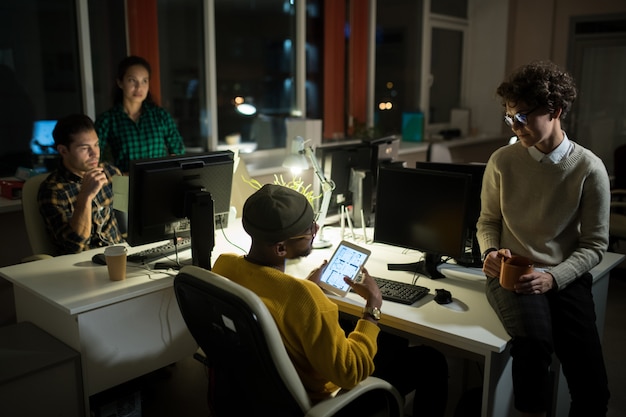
346	261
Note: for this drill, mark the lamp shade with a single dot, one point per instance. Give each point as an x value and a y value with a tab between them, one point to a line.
296	160
296	163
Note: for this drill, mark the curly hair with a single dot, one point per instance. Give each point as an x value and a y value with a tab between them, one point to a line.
540	83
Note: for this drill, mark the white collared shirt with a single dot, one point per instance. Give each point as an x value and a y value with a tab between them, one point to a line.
554	157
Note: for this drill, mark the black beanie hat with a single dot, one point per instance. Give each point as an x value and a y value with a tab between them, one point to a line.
275	213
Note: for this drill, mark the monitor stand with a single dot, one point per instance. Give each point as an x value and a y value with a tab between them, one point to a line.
472	258
199	210
427	267
202	223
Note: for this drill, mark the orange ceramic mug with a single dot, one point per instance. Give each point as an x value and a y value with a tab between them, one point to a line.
512	268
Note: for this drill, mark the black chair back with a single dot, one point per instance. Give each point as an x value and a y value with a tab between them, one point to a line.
244	378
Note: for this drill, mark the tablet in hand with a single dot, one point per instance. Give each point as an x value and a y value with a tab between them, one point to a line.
346	261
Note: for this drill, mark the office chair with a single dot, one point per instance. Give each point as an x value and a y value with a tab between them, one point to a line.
40	243
250	372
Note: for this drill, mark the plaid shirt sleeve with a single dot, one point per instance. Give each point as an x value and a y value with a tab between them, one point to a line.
57	198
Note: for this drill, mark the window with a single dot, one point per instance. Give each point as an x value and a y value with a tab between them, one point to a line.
446	65
398	46
40	72
107	33
256	69
419	61
182	69
267	55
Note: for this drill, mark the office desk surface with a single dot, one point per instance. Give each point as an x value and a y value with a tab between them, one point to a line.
7	206
122	329
74	284
468	322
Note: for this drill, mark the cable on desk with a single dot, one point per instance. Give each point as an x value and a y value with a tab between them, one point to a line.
167	325
227	239
150	272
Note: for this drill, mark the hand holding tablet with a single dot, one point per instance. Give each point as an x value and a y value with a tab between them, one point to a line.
345	262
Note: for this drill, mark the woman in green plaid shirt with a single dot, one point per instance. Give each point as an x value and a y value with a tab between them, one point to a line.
136	127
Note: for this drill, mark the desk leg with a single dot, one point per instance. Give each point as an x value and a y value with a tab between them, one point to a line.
497	385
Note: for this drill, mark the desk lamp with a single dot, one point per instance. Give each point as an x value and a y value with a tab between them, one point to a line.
296	162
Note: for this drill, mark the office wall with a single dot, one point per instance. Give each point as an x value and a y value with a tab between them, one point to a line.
548	35
487	61
506	35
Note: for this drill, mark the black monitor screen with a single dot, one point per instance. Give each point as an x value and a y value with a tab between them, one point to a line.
423	210
165	194
477	171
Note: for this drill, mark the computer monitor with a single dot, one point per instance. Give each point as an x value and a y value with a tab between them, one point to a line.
477	171
423	210
178	196
338	161
42	142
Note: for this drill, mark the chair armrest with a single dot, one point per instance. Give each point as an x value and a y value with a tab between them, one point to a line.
36	257
344	397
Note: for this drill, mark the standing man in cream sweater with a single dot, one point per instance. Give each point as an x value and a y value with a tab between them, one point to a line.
546	198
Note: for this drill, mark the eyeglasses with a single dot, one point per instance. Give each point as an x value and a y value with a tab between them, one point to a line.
310	235
521	118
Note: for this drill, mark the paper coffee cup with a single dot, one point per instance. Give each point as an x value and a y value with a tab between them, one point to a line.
512	268
233	139
116	262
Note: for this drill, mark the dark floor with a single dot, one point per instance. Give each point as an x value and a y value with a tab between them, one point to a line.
180	390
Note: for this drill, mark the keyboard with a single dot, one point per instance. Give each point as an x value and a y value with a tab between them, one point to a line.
400	292
152	254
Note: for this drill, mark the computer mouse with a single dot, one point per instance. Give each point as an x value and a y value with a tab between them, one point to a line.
99	259
443	296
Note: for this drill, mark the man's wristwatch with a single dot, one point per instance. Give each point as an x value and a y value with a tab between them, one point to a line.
485	253
373	312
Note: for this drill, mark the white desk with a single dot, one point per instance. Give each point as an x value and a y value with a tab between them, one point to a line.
9	206
122	329
128	328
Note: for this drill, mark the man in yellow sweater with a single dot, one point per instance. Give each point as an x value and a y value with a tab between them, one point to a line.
281	224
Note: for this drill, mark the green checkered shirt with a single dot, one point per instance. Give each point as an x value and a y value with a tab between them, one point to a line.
154	135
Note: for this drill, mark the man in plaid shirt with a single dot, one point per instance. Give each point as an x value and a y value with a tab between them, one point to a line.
76	200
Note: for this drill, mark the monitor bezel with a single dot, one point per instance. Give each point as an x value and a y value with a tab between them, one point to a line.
181	182
415	182
472	257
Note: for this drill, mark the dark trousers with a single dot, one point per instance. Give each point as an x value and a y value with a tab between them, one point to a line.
422	369
561	322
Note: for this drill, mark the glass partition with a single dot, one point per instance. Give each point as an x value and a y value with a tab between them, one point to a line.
39	73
